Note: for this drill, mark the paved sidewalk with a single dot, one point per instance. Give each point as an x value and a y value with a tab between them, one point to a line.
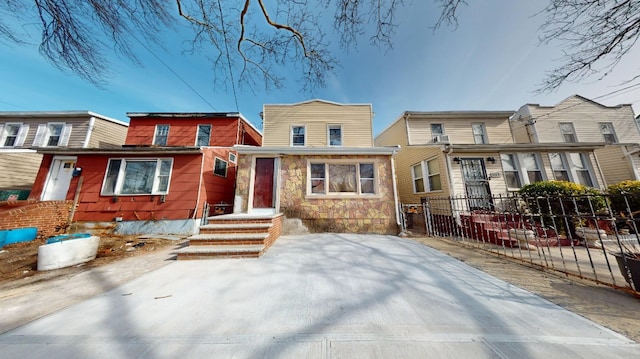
318	296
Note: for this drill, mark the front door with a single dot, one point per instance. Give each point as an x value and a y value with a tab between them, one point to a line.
60	174
263	184
476	184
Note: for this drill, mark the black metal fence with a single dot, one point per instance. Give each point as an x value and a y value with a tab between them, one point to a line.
594	237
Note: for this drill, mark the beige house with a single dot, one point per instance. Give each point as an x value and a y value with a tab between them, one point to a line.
318	164
472	154
21	133
580	120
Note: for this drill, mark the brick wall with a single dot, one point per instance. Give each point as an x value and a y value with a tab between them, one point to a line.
50	217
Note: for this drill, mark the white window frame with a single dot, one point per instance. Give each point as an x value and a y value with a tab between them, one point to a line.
572	169
516	170
43	134
304	135
233	158
483	133
21	135
334	127
120	177
226	167
198	134
563	133
521	171
156	134
608	127
353	162
435	134
426	176
564	168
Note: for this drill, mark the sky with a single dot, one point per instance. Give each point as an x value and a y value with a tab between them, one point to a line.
491	61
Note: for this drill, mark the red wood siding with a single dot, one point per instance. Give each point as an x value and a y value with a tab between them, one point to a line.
218	189
183	131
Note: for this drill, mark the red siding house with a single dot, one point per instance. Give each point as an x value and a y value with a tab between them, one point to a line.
173	170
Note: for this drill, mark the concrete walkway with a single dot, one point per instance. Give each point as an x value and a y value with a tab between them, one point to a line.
318	296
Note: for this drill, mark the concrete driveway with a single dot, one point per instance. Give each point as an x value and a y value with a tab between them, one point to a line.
318	296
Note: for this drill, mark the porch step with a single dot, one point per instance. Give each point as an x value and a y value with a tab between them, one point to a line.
227	238
220	251
235	228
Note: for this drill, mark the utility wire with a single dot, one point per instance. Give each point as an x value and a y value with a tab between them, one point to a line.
226	46
176	74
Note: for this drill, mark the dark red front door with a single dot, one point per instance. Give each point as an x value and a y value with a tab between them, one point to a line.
263	184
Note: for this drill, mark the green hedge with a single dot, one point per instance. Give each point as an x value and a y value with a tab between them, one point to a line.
625	189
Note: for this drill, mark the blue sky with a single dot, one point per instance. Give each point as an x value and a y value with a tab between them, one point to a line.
492	61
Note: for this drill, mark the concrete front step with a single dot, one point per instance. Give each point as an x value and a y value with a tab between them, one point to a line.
235	227
227	238
220	251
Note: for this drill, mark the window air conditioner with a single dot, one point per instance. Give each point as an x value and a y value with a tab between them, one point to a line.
441	139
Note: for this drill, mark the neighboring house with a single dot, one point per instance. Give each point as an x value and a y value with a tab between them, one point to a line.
473	154
578	120
21	133
318	164
172	168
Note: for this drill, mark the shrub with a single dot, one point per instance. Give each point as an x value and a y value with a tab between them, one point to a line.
587	199
625	189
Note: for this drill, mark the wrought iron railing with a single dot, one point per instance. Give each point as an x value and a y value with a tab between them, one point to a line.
582	236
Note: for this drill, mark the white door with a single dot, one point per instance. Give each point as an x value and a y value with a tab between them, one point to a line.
59	179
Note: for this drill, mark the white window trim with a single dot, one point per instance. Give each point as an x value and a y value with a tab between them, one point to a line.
155	133
433	135
121	173
613	131
516	170
233	158
424	168
23	130
43	134
573	130
291	136
521	171
483	128
336	195
329	128
198	133
226	167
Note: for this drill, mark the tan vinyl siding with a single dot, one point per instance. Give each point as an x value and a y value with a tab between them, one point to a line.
406	159
585	116
19	170
356	122
615	166
395	134
496	184
458	129
107	134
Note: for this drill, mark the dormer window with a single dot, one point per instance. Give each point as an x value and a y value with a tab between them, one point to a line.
298	136
13	134
335	135
161	135
568	132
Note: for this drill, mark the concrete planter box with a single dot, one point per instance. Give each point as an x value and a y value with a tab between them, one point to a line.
522	235
591	234
67	252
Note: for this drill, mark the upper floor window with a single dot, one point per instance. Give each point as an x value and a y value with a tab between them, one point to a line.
137	176
437	129
341	178
608	133
52	135
298	136
429	170
568	132
335	135
13	134
161	135
204	135
479	133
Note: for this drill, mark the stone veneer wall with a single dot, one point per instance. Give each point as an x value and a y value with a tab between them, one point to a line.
242	182
343	215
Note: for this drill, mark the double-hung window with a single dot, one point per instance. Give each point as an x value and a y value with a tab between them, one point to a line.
161	136
608	133
572	167
335	135
479	133
559	167
137	176
568	132
204	135
53	134
520	169
510	169
298	136
341	178
531	167
580	166
429	170
13	134
437	130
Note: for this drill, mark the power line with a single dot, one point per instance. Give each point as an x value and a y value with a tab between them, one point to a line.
176	74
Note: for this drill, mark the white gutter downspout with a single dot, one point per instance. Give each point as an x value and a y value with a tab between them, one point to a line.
395	190
195	212
452	191
87	139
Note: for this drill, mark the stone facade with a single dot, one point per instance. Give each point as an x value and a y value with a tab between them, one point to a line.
340	215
